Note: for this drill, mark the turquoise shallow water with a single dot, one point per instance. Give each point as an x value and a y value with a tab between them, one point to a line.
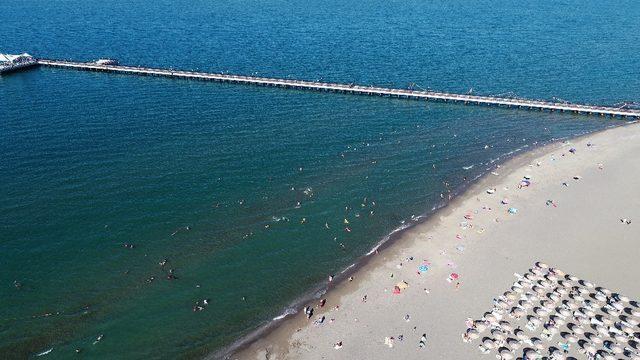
89	162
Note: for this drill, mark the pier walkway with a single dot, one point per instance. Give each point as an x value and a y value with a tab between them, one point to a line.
353	89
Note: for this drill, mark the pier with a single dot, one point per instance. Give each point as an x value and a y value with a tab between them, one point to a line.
352	89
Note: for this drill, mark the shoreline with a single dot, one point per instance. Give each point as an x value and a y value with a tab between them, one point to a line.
284	325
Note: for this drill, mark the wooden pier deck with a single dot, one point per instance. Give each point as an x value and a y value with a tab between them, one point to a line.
353	89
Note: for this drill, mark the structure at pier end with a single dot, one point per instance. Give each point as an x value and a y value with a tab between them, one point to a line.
14	62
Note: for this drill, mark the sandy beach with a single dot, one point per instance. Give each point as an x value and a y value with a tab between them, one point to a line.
578	211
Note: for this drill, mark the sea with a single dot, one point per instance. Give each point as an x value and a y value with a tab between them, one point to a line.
252	197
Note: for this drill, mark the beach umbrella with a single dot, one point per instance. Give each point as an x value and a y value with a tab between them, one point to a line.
553	296
620	297
534	320
587	284
537	343
564	312
541	311
556	353
572	278
584	320
538	289
564	284
498	334
531	354
517	289
626	328
618	306
505	325
481	325
604	290
513	343
620	338
589	348
575	328
541	265
520	334
473	334
490	318
616	349
583	291
502	304
600	296
558	320
547	304
577	298
571	338
635	313
557	272
505	353
489	343
631	321
526	304
561	291
536	271
596	339
551	277
510	295
602	330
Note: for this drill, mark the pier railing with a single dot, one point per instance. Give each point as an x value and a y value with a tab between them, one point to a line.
352	89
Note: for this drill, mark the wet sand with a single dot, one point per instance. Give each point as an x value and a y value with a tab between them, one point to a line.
581	234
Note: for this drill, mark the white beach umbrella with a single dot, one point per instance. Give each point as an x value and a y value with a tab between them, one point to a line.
541	265
602	330
571	338
517	289
558	320
505	325
521	335
600	296
531	276
541	311
526	304
554	296
538	289
510	296
557	354
632	321
534	320
635	313
548	304
564	312
587	284
572	278
537	343
620	338
491	318
589	348
584	292
473	334
595	339
557	272
531	354
622	298
498	334
489	343
604	291
627	329
517	312
513	343
618	306
538	272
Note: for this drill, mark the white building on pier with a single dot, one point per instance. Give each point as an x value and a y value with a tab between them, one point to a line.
14	62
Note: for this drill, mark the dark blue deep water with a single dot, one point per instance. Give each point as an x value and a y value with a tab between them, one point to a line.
91	161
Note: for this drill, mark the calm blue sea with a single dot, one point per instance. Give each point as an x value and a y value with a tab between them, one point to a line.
235	186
